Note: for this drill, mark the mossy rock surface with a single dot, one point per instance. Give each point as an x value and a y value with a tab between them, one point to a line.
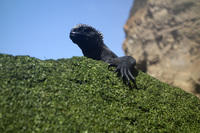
82	95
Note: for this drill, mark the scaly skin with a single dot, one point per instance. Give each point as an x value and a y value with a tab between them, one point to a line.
90	41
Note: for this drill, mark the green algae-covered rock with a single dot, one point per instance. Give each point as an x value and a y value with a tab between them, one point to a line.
82	95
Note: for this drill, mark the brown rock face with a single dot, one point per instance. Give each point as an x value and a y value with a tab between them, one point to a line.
164	37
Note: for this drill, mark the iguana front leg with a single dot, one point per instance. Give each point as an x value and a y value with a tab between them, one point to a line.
124	66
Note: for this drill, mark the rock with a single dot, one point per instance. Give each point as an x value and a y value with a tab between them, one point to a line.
164	37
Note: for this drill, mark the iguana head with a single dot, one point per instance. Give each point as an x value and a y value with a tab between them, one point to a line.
86	37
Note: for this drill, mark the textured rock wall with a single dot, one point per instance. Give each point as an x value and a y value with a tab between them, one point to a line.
164	37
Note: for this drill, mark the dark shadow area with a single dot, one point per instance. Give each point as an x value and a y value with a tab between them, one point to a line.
158	40
142	65
197	88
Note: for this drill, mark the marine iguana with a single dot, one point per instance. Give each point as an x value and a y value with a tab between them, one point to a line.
90	41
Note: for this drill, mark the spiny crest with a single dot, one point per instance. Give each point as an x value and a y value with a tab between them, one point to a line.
85	25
